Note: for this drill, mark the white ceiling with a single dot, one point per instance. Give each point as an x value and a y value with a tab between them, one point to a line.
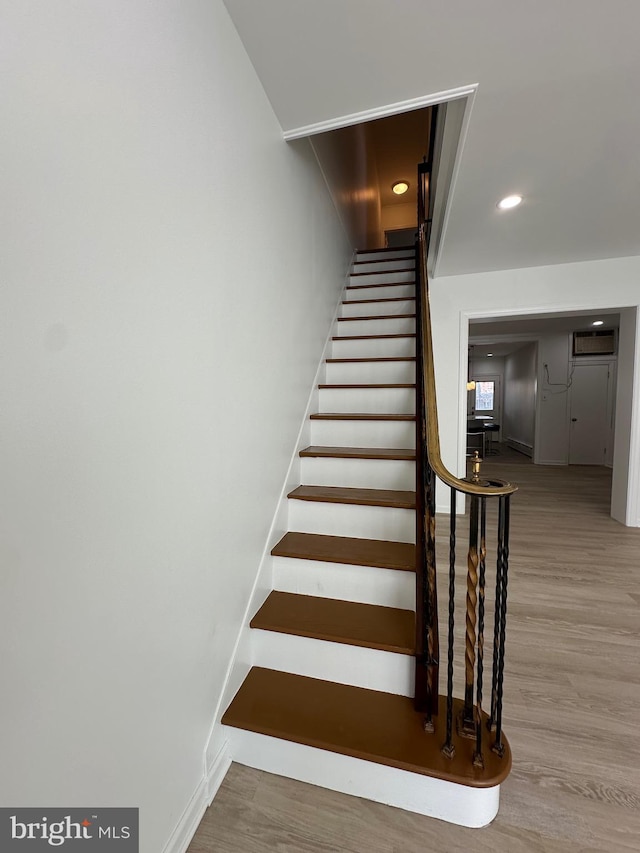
505	335
555	117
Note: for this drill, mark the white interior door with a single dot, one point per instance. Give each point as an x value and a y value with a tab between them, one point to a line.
589	425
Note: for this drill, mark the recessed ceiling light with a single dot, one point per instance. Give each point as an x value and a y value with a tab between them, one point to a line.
489	355
598	323
400	187
509	202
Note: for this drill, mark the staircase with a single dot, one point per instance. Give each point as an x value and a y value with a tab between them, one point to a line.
329	698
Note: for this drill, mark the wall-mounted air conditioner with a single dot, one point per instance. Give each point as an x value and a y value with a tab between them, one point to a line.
600	342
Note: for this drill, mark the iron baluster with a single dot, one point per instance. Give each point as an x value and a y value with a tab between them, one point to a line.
477	758
448	747
498	746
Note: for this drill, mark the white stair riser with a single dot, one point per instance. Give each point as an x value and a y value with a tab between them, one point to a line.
383	277
365	584
370	371
392	326
389	292
458	804
384	256
377	308
383	266
339	662
364	433
358	473
377	400
363	522
373	347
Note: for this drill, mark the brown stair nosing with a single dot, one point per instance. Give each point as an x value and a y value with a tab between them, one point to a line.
396	498
363	360
378	317
410	256
372	337
388	284
347	550
315	451
385	272
407	249
370	626
383	728
353	385
327	452
386	299
360	416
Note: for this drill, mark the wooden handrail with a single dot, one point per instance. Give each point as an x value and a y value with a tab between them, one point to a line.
487	488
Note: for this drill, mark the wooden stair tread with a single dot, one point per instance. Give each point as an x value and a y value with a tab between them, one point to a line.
380	727
371	626
387	284
372	337
359	416
353	385
408	249
362	497
386	299
410	256
377	553
358	452
385	272
377	317
367	360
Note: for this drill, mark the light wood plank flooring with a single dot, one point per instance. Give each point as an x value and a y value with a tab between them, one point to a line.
572	700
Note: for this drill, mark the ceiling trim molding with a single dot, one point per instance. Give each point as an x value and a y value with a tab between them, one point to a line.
381	112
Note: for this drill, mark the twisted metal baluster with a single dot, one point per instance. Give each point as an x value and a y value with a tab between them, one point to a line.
497	615
498	746
478	760
468	715
448	747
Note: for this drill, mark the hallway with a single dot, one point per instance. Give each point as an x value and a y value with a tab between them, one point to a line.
572	689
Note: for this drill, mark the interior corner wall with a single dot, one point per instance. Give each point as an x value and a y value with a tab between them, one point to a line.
347	160
170	268
560	287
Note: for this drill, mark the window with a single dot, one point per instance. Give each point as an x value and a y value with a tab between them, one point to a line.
484	396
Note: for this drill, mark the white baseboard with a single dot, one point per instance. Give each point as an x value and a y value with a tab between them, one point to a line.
202	796
520	446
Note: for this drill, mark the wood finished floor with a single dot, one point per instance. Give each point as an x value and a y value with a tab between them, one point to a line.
572	700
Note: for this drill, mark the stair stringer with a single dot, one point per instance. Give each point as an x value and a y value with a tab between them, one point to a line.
242	657
448	801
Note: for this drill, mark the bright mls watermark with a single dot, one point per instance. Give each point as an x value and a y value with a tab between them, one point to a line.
100	830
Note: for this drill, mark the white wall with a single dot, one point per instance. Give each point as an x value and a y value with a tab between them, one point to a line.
169	271
348	161
562	287
394	216
552	445
625	507
520	381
